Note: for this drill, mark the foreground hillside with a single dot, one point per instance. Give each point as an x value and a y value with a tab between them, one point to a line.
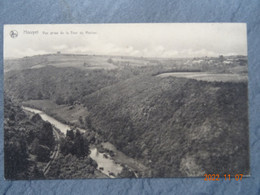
28	143
29	147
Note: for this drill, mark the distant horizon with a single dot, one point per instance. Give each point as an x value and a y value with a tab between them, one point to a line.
46	54
161	40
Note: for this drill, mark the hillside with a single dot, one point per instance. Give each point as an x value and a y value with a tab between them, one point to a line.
178	127
82	62
28	143
63	85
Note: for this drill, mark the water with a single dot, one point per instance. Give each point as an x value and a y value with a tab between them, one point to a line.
62	127
105	165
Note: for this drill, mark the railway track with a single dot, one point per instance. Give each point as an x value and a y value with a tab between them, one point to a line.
55	154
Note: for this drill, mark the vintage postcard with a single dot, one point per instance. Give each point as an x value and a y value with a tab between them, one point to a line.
125	100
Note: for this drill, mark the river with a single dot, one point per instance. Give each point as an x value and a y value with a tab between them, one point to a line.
105	164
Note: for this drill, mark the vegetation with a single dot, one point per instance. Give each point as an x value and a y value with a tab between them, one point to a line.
71	167
126	173
168	122
75	144
27	143
177	70
174	126
74	162
62	85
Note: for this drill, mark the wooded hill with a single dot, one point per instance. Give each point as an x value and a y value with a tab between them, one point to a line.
178	127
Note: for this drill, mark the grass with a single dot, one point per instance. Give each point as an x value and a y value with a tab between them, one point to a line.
210	77
70	114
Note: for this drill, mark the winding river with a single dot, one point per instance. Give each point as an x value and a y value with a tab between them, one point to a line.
105	164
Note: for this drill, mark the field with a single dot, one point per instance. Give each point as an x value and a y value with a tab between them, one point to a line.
82	62
210	77
66	113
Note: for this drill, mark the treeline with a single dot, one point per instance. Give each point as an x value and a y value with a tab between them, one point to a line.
177	70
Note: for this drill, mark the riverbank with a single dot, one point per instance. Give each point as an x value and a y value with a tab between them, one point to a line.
108	165
63	113
67	114
119	157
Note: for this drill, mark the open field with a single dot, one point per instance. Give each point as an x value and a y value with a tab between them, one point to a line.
82	62
204	76
70	114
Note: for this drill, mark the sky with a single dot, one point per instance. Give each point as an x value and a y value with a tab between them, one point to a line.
170	40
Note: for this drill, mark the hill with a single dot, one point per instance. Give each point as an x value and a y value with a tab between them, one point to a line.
176	126
83	62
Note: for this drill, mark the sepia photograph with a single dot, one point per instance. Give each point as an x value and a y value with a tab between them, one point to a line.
146	100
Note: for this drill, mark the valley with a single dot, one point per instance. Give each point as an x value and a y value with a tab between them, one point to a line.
156	117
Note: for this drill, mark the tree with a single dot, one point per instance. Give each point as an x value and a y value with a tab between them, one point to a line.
43	153
88	122
30	137
221	58
81	120
79	145
110	61
70	134
75	144
46	135
16	157
37	174
66	145
70	100
35	146
39	95
36	118
59	100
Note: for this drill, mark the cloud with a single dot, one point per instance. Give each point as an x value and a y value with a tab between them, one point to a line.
60	47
